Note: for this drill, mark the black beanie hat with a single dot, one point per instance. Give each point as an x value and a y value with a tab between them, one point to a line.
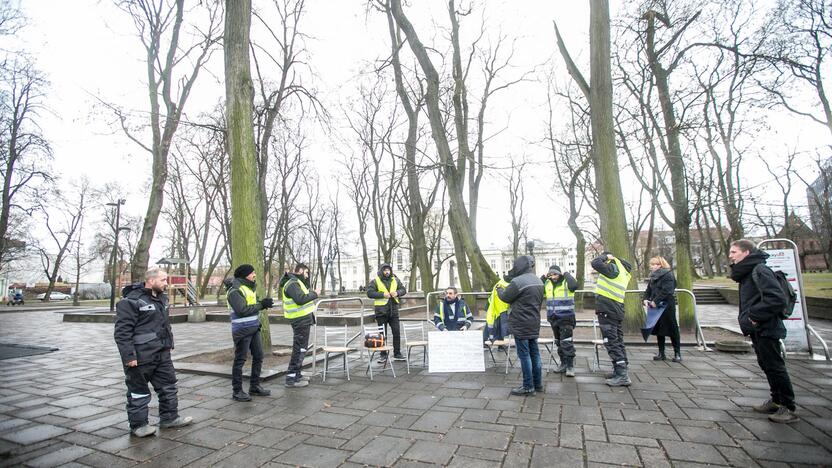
243	270
555	269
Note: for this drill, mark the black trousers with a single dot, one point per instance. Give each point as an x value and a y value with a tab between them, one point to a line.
562	330
393	321
613	335
162	376
242	345
674	339
300	341
774	366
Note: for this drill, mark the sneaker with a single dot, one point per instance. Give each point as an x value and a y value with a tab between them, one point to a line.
659	357
399	357
382	358
677	357
144	431
560	369
783	415
240	395
178	422
767	407
304	378
296	383
522	391
539	389
570	371
259	391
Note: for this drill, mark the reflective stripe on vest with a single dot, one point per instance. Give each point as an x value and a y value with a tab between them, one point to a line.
459	315
292	310
251	299
561	296
613	288
383	289
495	306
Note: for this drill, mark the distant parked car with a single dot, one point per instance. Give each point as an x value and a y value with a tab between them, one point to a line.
55	296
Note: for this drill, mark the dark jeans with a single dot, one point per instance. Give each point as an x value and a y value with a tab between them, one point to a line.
774	366
393	321
613	339
300	341
162	376
530	364
242	345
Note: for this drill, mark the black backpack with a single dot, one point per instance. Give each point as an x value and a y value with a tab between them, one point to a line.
785	286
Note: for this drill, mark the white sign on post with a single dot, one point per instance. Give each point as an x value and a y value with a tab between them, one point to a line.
455	351
783	260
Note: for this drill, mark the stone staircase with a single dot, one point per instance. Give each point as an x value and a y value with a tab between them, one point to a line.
708	296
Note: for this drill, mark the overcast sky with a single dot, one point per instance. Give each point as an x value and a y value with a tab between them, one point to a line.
89	51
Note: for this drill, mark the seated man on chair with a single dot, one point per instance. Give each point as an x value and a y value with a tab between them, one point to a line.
452	313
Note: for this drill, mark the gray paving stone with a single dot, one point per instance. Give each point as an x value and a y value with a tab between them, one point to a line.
478	438
430	452
536	435
313	456
705	435
59	457
336	421
212	437
787	453
34	434
544	457
611	453
435	421
653	457
687	451
249	456
654	431
147	449
460	461
383	450
181	456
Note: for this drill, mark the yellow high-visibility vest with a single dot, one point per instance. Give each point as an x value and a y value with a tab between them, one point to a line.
496	307
383	289
613	288
292	310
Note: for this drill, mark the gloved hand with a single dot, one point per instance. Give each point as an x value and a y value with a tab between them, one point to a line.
267	303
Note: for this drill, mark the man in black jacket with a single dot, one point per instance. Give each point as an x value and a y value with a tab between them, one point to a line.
761	301
386	289
559	288
144	339
245	330
613	277
525	295
298	308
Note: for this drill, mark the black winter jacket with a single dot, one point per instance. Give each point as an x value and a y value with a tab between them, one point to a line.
237	302
296	294
142	328
661	287
763	309
603	305
525	295
392	306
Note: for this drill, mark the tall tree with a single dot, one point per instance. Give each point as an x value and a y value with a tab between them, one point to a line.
613	224
246	233
161	26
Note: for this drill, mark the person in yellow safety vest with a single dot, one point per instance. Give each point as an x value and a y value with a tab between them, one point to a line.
386	290
245	330
452	313
298	308
613	278
559	288
496	323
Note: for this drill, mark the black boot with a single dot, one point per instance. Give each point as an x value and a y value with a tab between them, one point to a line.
522	391
570	369
240	395
259	390
677	355
620	377
659	357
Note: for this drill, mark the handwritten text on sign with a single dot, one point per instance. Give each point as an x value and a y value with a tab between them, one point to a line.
455	351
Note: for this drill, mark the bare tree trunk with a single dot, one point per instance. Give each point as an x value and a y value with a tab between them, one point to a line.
246	233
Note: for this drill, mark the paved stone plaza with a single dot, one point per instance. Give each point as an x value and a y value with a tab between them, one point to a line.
67	409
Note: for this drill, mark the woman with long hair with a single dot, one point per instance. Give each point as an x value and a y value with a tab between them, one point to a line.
660	292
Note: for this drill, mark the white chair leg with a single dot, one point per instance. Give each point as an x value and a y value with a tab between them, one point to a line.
326	355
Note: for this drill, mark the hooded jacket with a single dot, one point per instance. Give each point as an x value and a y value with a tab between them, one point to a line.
525	295
142	328
612	309
294	292
240	309
452	315
754	306
392	306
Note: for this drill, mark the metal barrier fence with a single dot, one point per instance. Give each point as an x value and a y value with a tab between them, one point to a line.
700	337
315	327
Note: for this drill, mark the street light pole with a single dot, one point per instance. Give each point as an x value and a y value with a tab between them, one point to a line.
113	264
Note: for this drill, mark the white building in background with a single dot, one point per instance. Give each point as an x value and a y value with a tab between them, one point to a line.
500	260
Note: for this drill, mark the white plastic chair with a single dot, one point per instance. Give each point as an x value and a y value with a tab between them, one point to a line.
549	344
387	349
420	342
331	335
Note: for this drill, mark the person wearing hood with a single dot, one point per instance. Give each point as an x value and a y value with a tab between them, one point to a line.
452	313
245	330
660	292
560	289
525	296
298	308
761	301
144	339
613	277
386	291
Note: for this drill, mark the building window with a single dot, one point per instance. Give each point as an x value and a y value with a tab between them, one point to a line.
354	270
399	261
493	264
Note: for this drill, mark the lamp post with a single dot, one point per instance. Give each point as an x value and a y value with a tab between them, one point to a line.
114	259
